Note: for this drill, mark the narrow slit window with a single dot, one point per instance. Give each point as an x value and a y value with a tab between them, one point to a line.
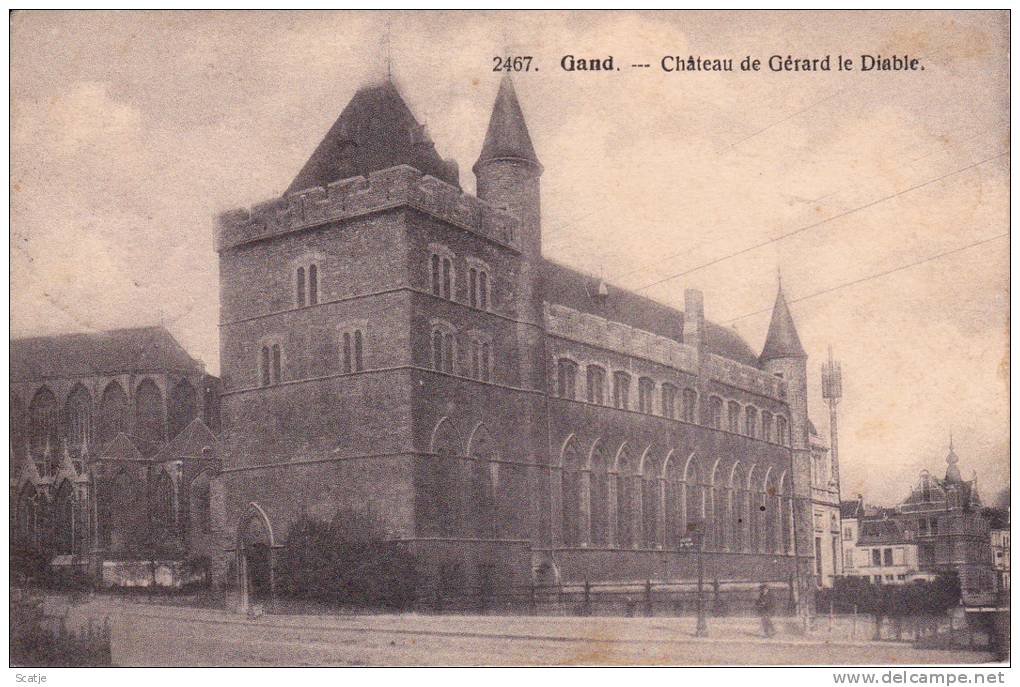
437	350
435	275
447	279
347	353
473	286
265	366
358	366
448	353
313	284
485	362
277	367
483	290
301	287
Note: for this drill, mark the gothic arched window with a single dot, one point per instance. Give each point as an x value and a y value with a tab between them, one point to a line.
78	410
566	378
113	413
183	406
149	412
600	496
43	423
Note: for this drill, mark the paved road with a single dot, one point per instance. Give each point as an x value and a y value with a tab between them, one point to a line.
152	635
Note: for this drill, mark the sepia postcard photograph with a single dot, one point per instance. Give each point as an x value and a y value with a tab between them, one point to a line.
510	339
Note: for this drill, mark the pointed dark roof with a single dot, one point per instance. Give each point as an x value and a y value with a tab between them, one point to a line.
375	131
507	135
190	443
782	340
87	354
573	289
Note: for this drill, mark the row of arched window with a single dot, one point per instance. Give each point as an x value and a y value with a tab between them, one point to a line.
622	502
443	278
122	513
443	342
351	357
673	404
81	423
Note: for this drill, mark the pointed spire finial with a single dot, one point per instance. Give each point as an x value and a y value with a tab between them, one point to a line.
950	438
388	48
779	277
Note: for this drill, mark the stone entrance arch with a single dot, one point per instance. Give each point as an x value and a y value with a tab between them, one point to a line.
255	547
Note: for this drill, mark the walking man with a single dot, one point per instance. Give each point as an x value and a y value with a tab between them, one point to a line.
765	605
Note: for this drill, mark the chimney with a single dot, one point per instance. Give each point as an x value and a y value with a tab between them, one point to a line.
694	318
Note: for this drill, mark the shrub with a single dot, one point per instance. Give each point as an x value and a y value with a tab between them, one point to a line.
347	561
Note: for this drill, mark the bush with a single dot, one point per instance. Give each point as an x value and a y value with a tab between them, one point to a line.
32	645
919	597
347	561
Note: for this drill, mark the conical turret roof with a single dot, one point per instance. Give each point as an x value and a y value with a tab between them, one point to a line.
782	340
507	135
375	131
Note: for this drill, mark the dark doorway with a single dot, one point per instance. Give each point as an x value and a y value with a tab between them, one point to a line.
258	567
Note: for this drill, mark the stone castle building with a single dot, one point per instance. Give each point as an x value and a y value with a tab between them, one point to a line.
391	343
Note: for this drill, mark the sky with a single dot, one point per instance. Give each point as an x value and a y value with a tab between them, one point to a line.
131	131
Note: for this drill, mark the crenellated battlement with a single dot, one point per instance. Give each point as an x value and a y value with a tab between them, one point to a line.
598	331
389	188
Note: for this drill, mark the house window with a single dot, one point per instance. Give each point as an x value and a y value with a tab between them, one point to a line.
307	291
690	397
669	401
646	394
715	412
751	422
766	425
876	557
596	385
621	390
566	379
478	286
733	416
848	534
782	431
442	350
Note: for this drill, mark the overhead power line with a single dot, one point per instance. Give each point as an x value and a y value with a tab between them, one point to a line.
819	223
886	273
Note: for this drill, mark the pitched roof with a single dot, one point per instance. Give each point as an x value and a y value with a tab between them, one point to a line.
122	447
574	289
190	443
109	352
507	135
782	340
850	509
375	131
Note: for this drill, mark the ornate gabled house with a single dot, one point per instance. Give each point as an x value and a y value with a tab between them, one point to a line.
393	344
95	483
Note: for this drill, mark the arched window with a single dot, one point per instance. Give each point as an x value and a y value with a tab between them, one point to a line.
113	413
646	394
621	390
628	485
674	515
200	513
572	496
787	516
300	287
163	503
437	350
28	515
669	401
717	511
650	503
694	486
596	385
277	364
755	512
43	423
150	412
782	432
78	411
600	496
18	434
358	350
436	276
690	397
483	484
766	425
751	422
473	287
183	406
738	508
773	511
733	417
266	366
348	353
447	279
63	525
483	290
566	378
313	284
715	408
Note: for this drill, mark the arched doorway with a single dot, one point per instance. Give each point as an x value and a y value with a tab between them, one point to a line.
255	558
